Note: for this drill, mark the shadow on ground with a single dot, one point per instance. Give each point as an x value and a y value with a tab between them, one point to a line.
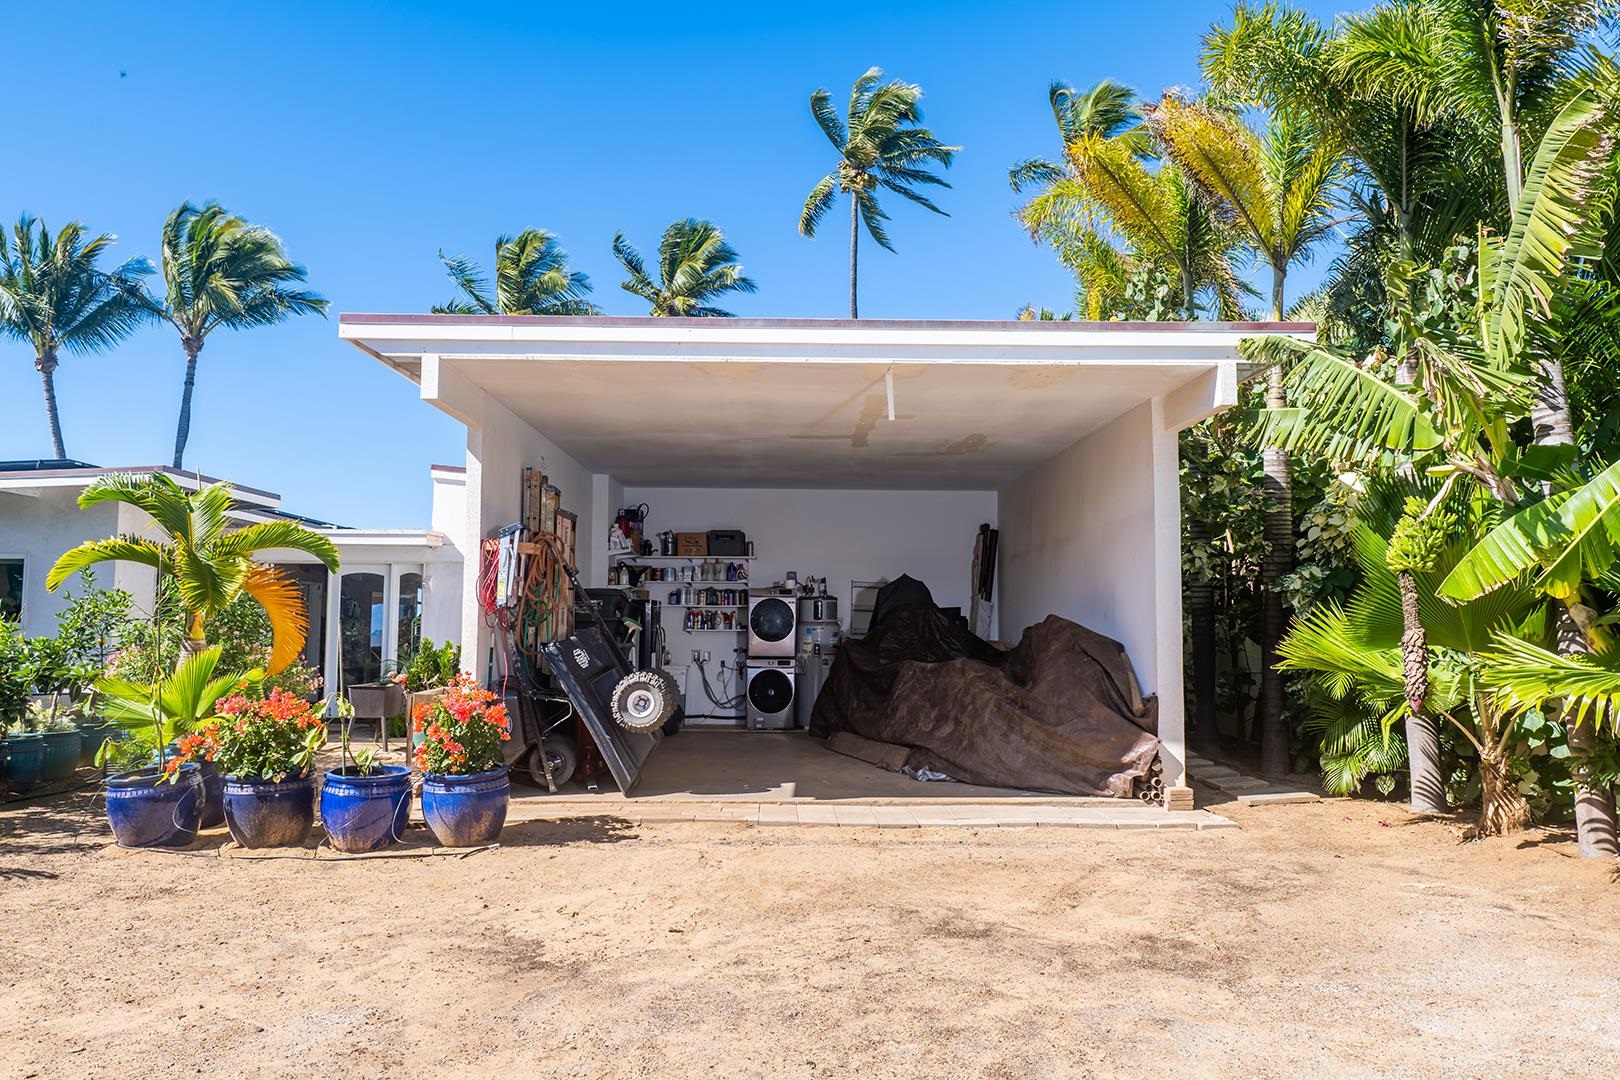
593	829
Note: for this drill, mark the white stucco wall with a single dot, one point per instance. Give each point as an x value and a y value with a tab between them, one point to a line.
1093	535
39	528
499	445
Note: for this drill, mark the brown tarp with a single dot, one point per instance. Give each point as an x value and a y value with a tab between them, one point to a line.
1060	711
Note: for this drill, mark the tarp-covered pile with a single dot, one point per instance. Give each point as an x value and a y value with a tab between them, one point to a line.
1059	712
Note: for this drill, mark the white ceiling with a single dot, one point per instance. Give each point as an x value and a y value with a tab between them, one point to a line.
730	423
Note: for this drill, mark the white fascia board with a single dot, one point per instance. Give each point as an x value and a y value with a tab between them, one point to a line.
756	341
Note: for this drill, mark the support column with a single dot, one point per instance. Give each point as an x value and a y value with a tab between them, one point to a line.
390	627
1167	609
332	662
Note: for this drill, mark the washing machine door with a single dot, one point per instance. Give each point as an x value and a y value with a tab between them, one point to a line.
770	691
771	620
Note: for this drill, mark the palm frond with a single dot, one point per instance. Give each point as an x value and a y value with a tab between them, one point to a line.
1524	676
133	549
283	602
273	535
1573	536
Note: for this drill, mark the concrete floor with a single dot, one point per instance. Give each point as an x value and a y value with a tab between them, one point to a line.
778	767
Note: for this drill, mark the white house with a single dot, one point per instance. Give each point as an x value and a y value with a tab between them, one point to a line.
850	450
392	584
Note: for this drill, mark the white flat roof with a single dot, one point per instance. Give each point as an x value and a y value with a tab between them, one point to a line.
804	402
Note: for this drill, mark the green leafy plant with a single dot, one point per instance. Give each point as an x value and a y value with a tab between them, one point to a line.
462	730
267	738
695	266
178	703
430	667
532	277
209	563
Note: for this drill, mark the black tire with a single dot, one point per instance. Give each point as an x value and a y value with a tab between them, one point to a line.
643	700
564	760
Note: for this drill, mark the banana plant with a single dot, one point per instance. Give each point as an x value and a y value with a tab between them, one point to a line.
1359	661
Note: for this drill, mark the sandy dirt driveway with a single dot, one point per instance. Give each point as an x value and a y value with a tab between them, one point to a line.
1340	939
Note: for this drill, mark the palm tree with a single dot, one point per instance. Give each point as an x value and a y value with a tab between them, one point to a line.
1107	192
695	265
220	270
55	297
1471	386
1279	191
209	564
1361	679
1107	110
881	144
1420	175
531	278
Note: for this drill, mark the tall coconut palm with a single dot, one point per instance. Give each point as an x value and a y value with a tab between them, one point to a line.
881	143
54	296
209	563
222	271
1279	190
695	265
531	278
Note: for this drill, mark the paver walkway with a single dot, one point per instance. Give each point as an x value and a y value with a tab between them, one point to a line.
1101	814
1249	790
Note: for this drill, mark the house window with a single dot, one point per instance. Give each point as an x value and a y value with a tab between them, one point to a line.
410	614
11	588
360	621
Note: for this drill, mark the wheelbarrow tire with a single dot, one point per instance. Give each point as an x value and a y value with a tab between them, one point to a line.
564	760
643	700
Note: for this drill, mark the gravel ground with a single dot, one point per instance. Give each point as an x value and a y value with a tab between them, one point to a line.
1341	939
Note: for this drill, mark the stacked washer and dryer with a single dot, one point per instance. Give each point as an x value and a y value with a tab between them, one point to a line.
773	649
791	643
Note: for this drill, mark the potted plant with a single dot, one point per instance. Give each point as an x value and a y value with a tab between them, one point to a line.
166	721
156	795
58	735
465	788
265	748
364	806
426	675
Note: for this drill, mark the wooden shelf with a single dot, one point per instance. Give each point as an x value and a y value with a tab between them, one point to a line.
706	607
626	556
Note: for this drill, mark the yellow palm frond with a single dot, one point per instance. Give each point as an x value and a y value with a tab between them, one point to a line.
283	602
1224	157
1135	201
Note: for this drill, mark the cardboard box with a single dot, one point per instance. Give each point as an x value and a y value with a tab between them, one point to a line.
691	543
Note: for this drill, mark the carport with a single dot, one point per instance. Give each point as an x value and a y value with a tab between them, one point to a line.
852	450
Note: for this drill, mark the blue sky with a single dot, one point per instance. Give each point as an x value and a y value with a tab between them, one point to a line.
370	135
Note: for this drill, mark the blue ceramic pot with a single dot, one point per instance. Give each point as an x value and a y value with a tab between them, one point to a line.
464	811
213	804
267	813
146	811
92	733
24	760
61	754
366	813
